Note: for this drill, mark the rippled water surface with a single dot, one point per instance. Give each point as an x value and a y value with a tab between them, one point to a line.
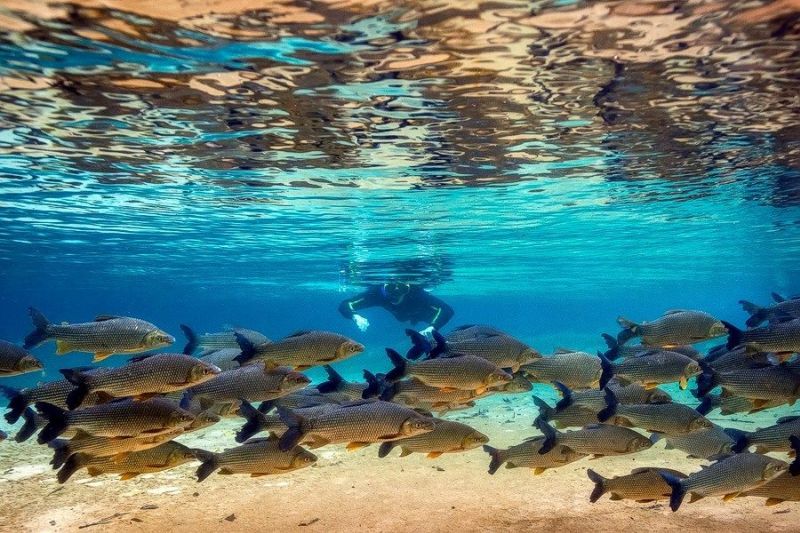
480	147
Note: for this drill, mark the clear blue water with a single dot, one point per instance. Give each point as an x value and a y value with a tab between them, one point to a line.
233	168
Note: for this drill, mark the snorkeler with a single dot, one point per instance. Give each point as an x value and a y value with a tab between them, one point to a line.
406	302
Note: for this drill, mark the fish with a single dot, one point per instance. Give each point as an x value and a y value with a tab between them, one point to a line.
15	360
615	350
92	446
471	331
464	372
595	399
781	338
781	311
336	383
3	435
257	420
759	384
414	393
650	369
447	437
54	392
257	457
729	405
709	443
502	350
569	415
33	423
729	477
641	485
518	384
526	455
783	488
224	359
259	381
666	418
597	440
225	340
577	370
309	397
142	378
123	418
773	438
106	336
162	457
674	328
723	360
301	350
358	423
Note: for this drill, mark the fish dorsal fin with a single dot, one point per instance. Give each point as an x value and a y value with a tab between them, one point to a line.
641	470
140	358
80	434
674	311
103	318
299	333
561	350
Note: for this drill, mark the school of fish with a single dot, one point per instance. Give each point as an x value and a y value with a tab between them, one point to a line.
123	420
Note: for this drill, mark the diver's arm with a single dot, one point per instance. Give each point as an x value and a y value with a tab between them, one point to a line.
442	313
368	298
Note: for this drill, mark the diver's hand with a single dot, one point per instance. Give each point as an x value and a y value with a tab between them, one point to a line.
361	322
428	332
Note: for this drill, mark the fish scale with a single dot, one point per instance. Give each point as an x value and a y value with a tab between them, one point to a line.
502	350
413	391
368	421
735	474
642	484
15	360
128	418
466	372
261	456
781	337
308	349
471	332
633	393
104	335
703	443
775	438
446	436
526	455
770	383
254	382
676	328
668	418
785	487
603	439
107	446
160	373
224	358
227	339
576	370
166	455
659	367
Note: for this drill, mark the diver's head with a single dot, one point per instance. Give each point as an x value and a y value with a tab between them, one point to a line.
395	291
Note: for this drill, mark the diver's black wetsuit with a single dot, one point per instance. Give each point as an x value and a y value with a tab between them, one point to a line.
417	305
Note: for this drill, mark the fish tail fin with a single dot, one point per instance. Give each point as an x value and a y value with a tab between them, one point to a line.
706	405
441	344
295	433
16	403
608	370
757	314
420	344
209	462
253	424
613	347
246	346
29	427
707	379
72	465
334	380
742	442
385	448
545	411
611	406
56	421
550	435
735	335
389	392
629	330
400	366
373	389
794	468
566	396
78	394
40	331
267	406
497	458
599	485
192	341
61	452
678	490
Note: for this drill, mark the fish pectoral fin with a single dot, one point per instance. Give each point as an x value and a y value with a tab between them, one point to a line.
356	445
694	497
405	451
93	471
128	475
772	501
615	497
433	455
759	404
730	496
63	347
537	471
480	390
650	386
118	458
99	356
683	383
317	442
